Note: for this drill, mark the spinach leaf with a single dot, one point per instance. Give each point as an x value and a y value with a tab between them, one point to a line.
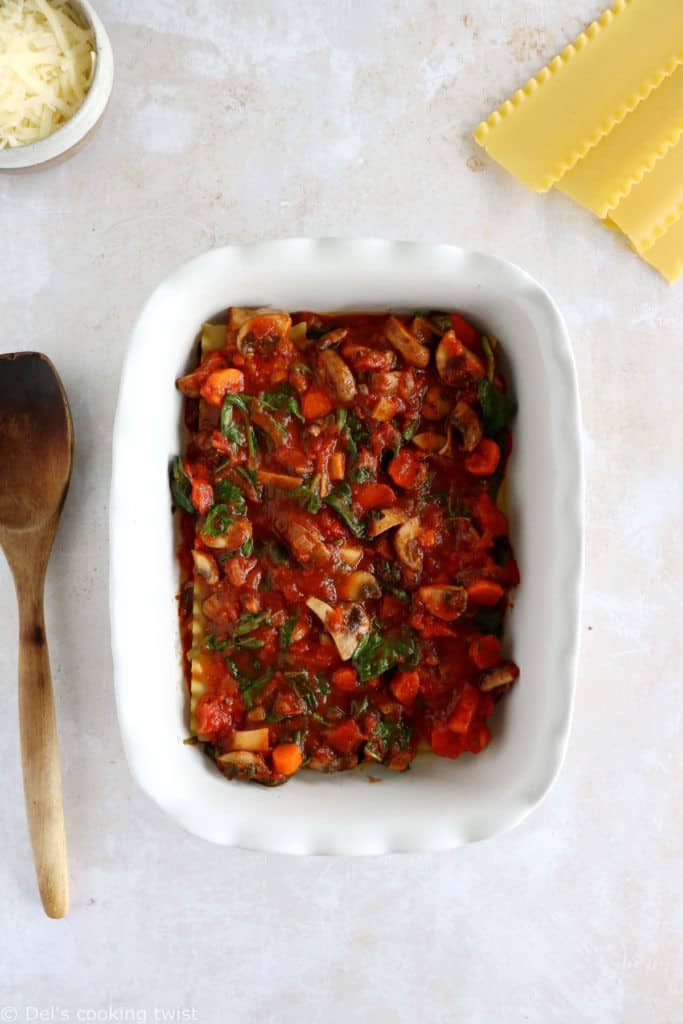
307	494
490	358
497	407
230	494
181	488
376	654
249	687
250	643
339	499
411	430
361	475
247	547
286	630
356	435
213	643
238	402
341	418
386	735
251	621
217	521
274	400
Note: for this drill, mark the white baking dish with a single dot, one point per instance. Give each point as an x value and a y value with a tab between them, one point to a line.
438	804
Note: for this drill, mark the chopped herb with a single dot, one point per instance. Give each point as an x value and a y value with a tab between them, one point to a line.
277	553
490	358
323	684
286	630
230	494
217	521
275	400
387	735
356	435
339	499
297	676
307	494
181	487
341	418
497	407
376	654
213	643
411	430
248	643
228	427
358	707
251	621
249	687
252	443
249	475
238	402
247	547
361	475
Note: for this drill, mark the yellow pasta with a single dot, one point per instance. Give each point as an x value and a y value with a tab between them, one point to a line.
576	100
666	255
655	205
609	171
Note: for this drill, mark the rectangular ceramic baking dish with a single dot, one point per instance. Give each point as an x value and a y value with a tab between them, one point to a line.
439	804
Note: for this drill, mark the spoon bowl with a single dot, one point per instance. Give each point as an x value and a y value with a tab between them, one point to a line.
36	450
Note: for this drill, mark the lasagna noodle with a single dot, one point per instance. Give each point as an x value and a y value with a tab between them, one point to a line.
656	204
576	100
666	255
607	173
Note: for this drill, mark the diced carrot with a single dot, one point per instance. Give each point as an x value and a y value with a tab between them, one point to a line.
462	714
337	466
405	469
202	496
345	737
405	687
445	743
287	758
485	651
345	679
316	403
464	330
222	383
483	461
484	592
370	496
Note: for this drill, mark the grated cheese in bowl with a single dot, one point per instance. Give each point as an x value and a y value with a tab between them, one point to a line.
47	61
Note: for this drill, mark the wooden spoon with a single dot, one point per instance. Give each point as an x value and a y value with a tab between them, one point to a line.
36	448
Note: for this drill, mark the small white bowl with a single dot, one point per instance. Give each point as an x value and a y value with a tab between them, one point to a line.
80	126
438	804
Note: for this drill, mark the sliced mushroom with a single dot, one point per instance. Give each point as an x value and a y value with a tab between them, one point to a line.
500	678
407	544
429	442
382	519
448	357
350	555
281	480
250	739
359	586
444	602
337	375
405	343
307	543
468	424
264	332
385	383
332	338
447	447
347	624
233	537
205	565
437	403
243	764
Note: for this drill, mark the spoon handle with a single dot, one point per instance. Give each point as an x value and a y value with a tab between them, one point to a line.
40	753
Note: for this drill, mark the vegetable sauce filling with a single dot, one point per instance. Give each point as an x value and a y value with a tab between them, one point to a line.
346	566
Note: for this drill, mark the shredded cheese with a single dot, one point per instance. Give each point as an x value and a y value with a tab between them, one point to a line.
47	62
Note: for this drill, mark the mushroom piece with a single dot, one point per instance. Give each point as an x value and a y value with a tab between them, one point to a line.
359	586
281	480
264	332
407	545
347	624
448	357
444	602
337	375
243	764
437	403
405	343
429	441
332	338
205	566
382	519
468	424
350	555
500	678
385	382
384	409
250	739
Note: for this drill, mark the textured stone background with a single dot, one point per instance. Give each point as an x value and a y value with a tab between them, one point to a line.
245	120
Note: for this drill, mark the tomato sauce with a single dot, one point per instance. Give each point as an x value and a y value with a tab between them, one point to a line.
341	544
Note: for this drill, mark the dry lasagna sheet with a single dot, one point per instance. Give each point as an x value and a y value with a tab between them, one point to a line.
603	122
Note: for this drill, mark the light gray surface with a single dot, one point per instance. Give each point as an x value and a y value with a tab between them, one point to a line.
241	121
